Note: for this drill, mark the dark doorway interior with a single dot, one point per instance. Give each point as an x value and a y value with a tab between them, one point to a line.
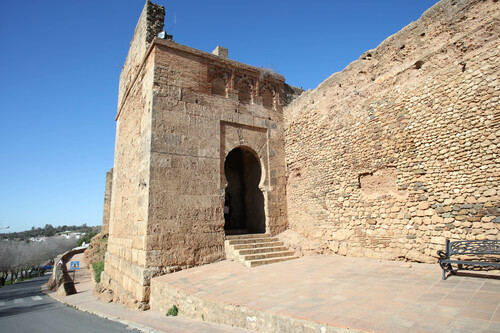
244	204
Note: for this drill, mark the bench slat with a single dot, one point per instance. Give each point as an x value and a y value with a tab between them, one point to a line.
474	247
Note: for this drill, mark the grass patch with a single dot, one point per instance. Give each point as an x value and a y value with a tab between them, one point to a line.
173	311
20	280
98	268
86	238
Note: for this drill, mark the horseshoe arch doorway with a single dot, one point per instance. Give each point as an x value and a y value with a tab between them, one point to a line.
244	201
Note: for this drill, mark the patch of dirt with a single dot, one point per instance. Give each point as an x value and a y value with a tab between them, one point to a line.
97	249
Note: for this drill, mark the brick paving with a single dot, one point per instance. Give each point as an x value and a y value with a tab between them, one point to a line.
356	293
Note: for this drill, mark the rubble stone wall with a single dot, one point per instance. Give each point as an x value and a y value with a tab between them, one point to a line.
399	151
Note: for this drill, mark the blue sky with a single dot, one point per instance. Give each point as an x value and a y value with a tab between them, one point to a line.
60	62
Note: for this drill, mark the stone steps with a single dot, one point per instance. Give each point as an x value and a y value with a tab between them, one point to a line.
268	255
244	236
256	245
256	249
261	250
260	262
251	240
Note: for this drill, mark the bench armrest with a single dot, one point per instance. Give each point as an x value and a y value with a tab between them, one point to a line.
442	255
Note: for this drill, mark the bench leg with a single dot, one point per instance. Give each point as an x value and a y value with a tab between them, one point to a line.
443	267
447	268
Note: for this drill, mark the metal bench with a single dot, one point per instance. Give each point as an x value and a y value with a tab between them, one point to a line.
478	253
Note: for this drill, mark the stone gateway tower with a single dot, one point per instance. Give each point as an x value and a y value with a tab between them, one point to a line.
386	159
195	132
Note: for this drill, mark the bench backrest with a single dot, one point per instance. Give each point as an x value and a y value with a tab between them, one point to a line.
473	247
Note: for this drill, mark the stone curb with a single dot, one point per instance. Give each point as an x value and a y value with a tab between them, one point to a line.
236	315
142	328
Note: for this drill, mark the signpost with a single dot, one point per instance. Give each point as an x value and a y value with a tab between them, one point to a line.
73	266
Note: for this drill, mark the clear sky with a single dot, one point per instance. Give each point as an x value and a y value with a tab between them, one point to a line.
60	62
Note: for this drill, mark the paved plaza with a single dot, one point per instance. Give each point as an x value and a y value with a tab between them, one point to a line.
356	293
351	293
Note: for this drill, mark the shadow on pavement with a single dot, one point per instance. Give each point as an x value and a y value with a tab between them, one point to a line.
21	310
476	275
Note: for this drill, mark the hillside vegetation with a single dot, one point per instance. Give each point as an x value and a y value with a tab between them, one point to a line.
48	231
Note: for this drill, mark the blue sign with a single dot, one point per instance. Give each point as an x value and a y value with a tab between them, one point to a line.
74	265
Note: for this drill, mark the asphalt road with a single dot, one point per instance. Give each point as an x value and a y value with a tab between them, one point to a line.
24	308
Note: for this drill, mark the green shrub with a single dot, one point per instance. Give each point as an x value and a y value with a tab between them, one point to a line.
173	311
98	268
86	238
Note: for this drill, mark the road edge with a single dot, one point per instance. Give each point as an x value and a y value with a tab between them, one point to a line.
143	328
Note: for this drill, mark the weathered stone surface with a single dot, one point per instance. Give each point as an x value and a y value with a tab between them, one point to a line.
435	126
423	205
107	202
181	112
66	288
413	255
96	249
385	159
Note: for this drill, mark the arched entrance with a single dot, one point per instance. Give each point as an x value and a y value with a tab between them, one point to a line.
244	201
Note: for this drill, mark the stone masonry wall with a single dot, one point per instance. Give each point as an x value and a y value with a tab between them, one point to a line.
125	256
123	275
194	127
180	112
399	151
150	23
107	202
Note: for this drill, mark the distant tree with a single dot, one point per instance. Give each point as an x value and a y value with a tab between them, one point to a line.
18	258
86	238
49	230
6	259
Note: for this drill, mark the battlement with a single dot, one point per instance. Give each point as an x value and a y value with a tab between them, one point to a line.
149	25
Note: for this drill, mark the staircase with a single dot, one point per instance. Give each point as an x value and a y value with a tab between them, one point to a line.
256	249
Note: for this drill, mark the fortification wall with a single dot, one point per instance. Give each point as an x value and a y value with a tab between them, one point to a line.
148	26
198	119
125	256
399	151
180	112
107	202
